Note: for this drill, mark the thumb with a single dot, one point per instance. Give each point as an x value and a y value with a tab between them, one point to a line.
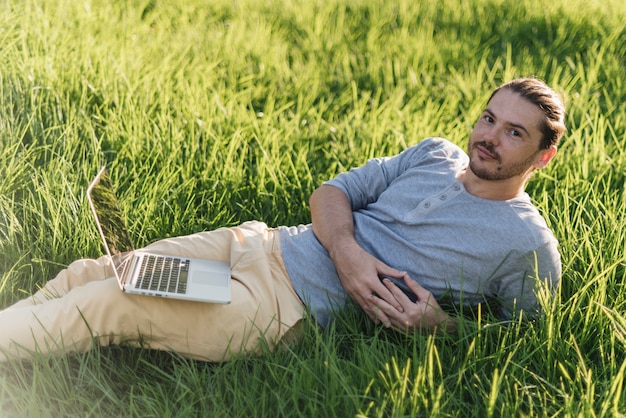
421	292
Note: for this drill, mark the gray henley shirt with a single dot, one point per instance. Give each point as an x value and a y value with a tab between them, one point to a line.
412	213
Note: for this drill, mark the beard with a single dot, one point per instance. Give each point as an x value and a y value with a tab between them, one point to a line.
500	172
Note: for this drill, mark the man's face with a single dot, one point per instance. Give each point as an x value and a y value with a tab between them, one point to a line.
505	140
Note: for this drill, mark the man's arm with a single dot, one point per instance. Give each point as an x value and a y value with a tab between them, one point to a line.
358	271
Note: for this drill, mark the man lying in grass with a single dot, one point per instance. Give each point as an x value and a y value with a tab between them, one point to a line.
432	222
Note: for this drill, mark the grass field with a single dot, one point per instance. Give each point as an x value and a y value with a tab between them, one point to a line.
209	114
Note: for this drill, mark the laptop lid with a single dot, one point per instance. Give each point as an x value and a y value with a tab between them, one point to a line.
110	222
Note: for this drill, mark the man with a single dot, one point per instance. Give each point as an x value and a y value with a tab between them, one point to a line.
432	221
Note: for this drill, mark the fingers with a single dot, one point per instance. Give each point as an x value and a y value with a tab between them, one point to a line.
385	270
401	291
385	273
380	317
425	312
384	292
386	314
421	293
369	304
424	296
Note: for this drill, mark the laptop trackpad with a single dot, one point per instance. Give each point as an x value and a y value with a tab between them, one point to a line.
209	278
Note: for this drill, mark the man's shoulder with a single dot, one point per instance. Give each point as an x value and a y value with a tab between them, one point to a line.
529	221
437	149
441	145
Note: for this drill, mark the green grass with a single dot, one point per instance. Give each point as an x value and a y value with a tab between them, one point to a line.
209	114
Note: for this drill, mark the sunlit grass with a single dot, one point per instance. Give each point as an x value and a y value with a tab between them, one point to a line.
209	114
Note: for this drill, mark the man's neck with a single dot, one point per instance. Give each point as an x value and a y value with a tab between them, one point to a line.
491	189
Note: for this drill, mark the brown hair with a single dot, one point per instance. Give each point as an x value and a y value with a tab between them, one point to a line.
540	94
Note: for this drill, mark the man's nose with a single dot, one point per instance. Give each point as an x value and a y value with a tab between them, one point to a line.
491	135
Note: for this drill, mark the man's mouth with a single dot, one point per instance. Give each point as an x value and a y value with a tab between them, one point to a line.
486	152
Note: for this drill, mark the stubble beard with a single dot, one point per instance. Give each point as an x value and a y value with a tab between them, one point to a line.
519	168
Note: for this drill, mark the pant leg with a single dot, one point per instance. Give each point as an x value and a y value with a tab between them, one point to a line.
78	273
263	308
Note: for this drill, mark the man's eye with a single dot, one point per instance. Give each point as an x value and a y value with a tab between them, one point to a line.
515	132
488	119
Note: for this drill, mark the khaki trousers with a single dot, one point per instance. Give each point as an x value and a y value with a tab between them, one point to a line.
83	304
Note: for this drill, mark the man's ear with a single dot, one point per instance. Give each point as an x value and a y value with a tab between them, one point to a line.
546	156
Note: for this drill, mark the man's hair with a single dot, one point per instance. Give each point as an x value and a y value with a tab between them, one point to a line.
540	94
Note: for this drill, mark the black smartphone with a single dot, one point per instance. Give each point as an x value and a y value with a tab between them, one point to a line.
400	283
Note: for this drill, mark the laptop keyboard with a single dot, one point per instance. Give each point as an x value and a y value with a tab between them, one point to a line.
164	274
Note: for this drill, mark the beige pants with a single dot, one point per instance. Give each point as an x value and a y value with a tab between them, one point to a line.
82	305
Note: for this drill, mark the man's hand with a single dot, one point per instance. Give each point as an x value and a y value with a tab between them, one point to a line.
359	275
423	315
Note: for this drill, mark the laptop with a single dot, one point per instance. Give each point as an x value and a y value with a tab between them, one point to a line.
145	273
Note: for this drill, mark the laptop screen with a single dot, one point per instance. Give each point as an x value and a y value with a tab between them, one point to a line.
110	220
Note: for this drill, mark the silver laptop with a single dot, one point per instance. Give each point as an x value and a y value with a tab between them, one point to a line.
144	273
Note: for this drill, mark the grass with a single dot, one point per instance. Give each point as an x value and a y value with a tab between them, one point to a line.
212	114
